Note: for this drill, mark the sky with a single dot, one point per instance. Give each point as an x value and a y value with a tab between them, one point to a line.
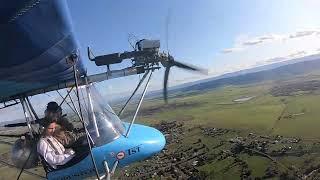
222	36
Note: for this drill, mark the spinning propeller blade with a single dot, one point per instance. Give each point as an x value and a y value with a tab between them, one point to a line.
170	63
165	84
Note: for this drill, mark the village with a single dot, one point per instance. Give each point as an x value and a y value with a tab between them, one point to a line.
182	161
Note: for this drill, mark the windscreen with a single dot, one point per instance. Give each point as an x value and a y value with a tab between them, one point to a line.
103	124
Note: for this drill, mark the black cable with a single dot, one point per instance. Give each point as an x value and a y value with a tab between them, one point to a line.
64	98
67	102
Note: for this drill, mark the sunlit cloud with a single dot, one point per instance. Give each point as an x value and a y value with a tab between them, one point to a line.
273	60
252	42
304	33
230	50
262	39
295	55
267	49
245	43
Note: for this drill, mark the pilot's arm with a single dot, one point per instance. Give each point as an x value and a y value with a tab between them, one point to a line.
51	156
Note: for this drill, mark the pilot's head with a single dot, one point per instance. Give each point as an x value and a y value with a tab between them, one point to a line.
53	110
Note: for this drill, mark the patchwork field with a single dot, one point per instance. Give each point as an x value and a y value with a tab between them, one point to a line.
265	135
266	130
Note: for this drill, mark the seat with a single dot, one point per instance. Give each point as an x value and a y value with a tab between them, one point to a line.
46	166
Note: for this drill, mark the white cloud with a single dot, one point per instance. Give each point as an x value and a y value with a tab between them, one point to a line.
262	39
304	33
230	50
267	49
297	54
274	59
246	42
252	42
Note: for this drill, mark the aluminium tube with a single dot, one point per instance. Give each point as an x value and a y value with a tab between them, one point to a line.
138	107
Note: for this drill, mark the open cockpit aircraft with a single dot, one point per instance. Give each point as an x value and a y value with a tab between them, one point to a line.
40	53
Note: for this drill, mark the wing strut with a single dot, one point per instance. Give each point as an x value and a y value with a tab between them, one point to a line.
26	115
27	109
134	92
139	104
82	121
8	105
32	109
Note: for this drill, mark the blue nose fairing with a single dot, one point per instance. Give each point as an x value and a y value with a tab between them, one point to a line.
142	143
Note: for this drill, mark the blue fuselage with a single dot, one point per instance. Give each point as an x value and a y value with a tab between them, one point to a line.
143	142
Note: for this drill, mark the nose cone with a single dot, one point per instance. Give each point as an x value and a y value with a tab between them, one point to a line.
149	140
153	140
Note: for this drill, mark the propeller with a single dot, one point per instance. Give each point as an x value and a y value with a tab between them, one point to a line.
170	62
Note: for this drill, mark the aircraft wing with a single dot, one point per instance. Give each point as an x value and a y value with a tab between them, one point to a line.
36	37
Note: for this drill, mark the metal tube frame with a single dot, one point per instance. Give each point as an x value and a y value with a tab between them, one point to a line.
67	102
106	168
32	109
91	110
139	104
64	98
83	123
23	103
78	114
125	105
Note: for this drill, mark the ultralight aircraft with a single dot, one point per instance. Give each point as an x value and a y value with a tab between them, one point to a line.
39	54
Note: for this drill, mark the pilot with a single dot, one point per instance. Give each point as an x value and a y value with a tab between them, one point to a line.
54	111
51	149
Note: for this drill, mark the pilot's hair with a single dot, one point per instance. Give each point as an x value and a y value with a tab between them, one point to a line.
48	122
53	107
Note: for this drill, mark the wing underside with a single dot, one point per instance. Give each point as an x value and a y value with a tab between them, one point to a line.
36	38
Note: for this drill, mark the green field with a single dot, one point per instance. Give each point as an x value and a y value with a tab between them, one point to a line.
265	114
295	115
260	114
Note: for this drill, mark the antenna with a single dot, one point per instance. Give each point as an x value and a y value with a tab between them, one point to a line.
167	29
132	38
